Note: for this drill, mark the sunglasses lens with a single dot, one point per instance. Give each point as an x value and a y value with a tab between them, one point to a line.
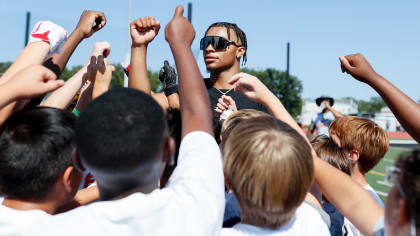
216	41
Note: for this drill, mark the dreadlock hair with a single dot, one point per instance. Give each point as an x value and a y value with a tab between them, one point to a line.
239	34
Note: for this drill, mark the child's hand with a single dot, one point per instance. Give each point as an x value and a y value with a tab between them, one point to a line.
179	30
90	22
33	81
250	86
358	67
101	49
144	30
225	103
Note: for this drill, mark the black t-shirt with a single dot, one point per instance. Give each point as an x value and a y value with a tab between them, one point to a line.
241	101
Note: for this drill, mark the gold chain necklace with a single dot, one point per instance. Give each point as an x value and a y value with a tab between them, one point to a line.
223	93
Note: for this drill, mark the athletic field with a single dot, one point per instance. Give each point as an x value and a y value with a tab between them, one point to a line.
376	176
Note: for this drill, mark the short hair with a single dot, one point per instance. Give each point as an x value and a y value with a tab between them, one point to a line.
233	120
330	152
119	131
364	135
240	34
270	169
409	177
35	148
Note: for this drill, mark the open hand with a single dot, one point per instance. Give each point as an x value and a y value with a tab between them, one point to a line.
144	30
179	30
358	67
90	22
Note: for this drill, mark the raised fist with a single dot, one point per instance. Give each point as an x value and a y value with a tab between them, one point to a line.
144	30
90	22
101	49
358	67
179	30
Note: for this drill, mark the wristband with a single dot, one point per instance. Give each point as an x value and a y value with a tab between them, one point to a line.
76	112
51	33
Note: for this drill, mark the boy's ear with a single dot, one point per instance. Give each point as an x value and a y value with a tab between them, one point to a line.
240	52
169	151
353	155
76	160
71	179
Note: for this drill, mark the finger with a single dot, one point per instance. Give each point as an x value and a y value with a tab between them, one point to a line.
157	27
229	99
103	18
218	111
101	64
148	22
179	11
92	61
112	68
53	84
345	64
221	107
235	78
47	74
222	102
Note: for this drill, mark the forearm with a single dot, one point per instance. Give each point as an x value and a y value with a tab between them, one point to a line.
138	69
83	197
404	108
276	108
7	95
58	62
194	100
63	96
84	98
347	196
33	53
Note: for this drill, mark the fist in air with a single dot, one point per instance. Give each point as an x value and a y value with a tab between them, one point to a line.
90	22
144	30
358	67
179	30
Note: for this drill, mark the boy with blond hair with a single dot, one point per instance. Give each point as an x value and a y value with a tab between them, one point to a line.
269	167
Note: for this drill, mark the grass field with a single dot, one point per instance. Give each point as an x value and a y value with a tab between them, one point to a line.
376	176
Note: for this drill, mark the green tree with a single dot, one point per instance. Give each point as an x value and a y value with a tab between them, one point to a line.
375	104
4	66
275	80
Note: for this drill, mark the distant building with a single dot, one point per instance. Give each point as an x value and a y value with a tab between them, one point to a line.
386	120
310	109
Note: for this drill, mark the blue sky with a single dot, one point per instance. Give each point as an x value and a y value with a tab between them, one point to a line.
386	32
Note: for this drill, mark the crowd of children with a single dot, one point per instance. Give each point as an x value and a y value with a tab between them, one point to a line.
219	156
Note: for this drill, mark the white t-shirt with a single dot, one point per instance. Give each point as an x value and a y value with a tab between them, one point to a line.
307	221
14	222
348	226
192	204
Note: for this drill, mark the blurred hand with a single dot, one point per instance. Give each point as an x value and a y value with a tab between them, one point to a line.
225	103
90	22
144	30
179	30
101	49
103	78
358	67
34	81
250	86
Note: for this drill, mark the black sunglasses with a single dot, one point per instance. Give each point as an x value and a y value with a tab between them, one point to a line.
217	42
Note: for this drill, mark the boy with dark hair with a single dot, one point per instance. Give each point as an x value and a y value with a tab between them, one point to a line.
37	175
123	140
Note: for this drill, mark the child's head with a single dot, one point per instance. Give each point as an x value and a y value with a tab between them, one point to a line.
269	168
328	151
361	137
123	140
403	201
36	153
233	120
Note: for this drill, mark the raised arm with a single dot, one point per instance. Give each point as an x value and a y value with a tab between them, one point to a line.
63	96
28	83
351	200
404	108
194	101
142	31
89	23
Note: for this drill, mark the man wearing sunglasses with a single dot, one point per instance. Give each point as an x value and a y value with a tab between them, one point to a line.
224	45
